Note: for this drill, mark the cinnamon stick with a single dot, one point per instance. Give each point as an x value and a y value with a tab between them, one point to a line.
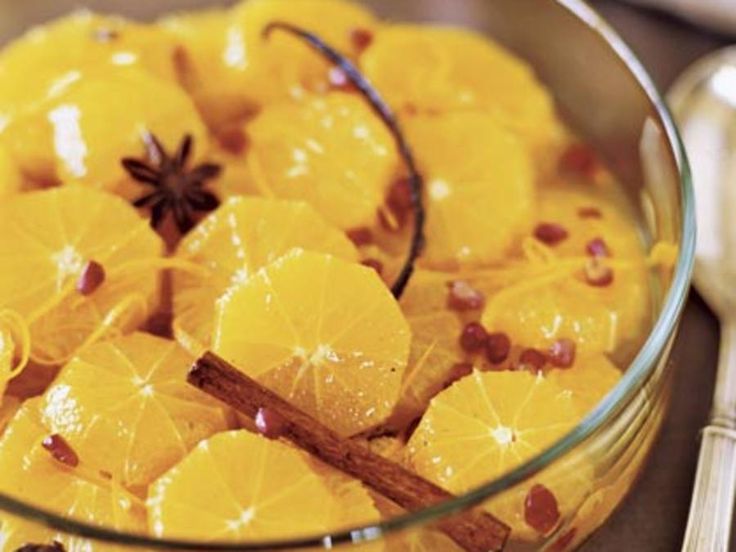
473	530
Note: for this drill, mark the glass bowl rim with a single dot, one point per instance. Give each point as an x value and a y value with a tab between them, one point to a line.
639	370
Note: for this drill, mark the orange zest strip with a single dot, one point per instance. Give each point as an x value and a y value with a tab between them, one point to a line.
473	530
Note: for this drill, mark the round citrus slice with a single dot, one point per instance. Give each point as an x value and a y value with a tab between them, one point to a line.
41	471
125	406
486	424
589	380
331	151
82	133
479	188
578	229
441	69
241	486
282	67
77	263
324	333
235	241
232	70
46	57
434	354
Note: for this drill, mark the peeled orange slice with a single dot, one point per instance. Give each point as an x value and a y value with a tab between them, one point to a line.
558	302
486	424
442	69
283	67
324	333
36	64
331	151
479	188
125	406
232	70
434	353
48	239
232	243
242	486
589	380
28	471
82	132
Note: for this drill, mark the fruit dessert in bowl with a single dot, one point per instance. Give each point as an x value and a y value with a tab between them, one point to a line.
315	274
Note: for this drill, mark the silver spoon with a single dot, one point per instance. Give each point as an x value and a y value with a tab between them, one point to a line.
703	101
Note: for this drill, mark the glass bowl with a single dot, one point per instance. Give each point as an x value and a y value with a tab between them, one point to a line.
608	98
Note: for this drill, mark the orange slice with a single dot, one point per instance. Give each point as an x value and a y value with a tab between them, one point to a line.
125	406
82	132
434	353
44	58
48	238
332	152
557	302
441	69
30	472
283	67
242	486
488	423
479	188
235	241
231	70
324	333
589	380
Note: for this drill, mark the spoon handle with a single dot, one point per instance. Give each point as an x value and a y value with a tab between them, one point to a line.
711	510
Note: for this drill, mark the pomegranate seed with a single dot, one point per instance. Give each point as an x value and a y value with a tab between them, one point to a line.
564	541
270	423
399	198
233	140
338	79
91	278
458	371
532	360
360	236
60	450
562	353
590	212
550	233
55	546
579	159
375	264
540	509
597	274
473	337
464	297
361	38
597	247
498	347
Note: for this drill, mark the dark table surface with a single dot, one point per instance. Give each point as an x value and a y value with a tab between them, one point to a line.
654	515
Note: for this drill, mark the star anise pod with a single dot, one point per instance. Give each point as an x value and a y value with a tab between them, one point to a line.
175	189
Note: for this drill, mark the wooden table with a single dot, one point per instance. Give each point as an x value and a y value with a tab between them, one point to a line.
653	517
